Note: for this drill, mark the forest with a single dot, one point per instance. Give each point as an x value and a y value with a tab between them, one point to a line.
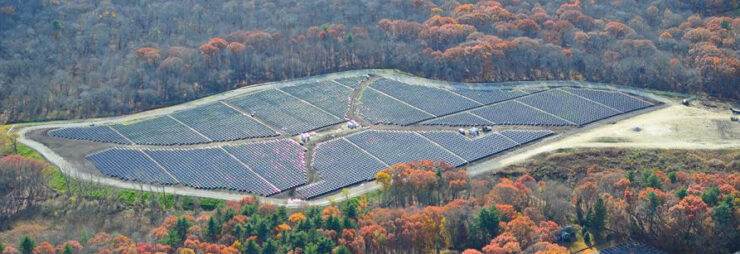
64	59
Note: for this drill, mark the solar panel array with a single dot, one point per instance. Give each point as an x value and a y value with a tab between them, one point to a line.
282	161
459	119
471	149
210	168
526	136
327	95
568	106
342	162
222	123
159	131
287	112
613	99
488	96
431	100
394	147
273	166
516	113
352	82
130	165
380	109
94	133
263	168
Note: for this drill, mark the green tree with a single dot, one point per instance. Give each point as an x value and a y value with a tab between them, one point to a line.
324	245
347	223
251	247
722	213
263	230
681	193
2	247
333	224
488	220
672	177
630	176
710	196
213	229
269	247
597	220
67	249
341	249
349	209
26	246
177	233
654	181
84	236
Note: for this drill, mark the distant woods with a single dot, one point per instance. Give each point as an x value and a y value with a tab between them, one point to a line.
81	58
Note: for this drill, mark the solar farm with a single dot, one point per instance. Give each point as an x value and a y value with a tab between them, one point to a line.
311	137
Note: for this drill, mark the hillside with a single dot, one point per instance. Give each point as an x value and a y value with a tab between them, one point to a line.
81	58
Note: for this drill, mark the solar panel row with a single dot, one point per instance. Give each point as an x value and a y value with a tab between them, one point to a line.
159	131
94	133
356	158
432	100
291	114
261	168
222	123
327	95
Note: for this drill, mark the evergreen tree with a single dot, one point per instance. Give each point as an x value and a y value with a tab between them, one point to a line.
269	247
342	250
672	177
681	193
347	223
229	214
488	220
282	212
325	245
597	222
67	249
349	210
251	247
262	230
27	245
722	213
176	234
710	196
333	224
213	229
654	181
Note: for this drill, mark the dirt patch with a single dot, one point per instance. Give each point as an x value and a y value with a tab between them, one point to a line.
74	151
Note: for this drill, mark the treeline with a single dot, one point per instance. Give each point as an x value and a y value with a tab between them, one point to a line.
577	200
81	58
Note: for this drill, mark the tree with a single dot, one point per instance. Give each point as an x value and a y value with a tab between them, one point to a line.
27	245
341	249
251	247
213	229
598	218
710	195
488	220
177	233
269	247
681	193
